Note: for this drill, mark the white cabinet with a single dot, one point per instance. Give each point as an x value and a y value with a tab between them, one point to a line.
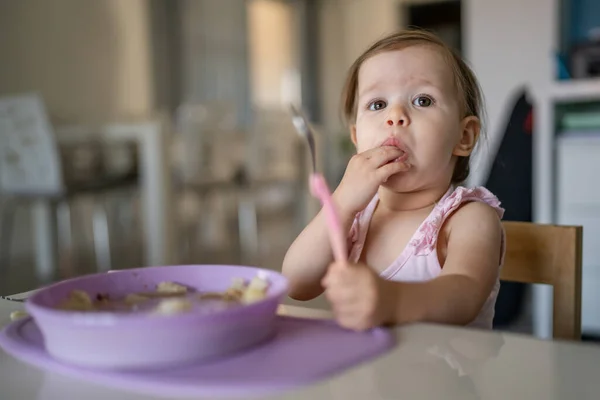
578	203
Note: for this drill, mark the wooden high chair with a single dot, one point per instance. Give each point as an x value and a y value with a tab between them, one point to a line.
548	254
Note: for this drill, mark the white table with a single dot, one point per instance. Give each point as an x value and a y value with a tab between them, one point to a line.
152	139
429	362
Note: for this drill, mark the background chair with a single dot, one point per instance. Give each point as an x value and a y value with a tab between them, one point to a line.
233	181
32	170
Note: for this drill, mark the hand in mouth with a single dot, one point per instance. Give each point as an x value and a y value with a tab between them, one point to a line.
394	142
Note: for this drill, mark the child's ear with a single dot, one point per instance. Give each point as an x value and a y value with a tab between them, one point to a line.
353	134
469	135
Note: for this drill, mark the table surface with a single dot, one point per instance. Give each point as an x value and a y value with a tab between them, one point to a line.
428	362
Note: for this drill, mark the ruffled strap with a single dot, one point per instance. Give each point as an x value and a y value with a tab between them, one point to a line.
425	239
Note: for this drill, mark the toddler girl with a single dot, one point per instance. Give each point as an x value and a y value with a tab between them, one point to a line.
421	246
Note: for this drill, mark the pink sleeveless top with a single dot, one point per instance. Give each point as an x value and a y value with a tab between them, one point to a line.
418	261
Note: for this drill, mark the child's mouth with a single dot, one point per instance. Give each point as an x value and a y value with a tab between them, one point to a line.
399	145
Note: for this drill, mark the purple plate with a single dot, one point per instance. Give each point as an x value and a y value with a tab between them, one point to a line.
113	340
302	352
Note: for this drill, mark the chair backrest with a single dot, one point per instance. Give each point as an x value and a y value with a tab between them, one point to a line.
548	254
206	144
29	157
274	144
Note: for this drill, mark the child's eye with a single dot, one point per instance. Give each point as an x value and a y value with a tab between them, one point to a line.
423	101
377	105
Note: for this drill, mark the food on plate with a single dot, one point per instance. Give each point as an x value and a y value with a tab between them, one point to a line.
256	290
78	300
170	287
236	290
170	298
173	306
135	298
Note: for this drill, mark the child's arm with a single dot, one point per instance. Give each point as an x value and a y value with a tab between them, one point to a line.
361	299
308	257
468	274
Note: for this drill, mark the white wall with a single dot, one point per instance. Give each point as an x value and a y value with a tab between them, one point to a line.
90	59
509	44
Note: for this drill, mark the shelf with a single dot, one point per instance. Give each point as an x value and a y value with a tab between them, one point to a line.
575	90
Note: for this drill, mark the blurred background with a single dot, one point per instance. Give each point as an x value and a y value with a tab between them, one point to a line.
157	132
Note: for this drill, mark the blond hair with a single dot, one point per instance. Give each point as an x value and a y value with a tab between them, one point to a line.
465	82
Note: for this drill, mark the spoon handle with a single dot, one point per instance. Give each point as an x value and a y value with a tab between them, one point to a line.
319	189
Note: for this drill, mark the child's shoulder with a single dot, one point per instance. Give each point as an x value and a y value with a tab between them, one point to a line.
474	206
476	199
474	233
475	211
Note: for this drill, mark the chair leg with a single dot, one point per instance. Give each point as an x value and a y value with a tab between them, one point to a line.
131	230
122	208
101	237
186	249
135	231
7	216
63	215
201	229
45	234
247	226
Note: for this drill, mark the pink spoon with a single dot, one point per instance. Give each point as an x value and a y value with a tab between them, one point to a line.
320	190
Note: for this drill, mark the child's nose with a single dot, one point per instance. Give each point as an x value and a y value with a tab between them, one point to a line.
397	116
399	122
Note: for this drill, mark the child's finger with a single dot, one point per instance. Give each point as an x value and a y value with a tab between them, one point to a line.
392	168
338	290
382	155
342	274
338	265
350	320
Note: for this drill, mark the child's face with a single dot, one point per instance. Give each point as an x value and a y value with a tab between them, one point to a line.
409	95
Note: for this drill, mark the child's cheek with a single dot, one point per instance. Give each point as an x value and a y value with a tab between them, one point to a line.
364	141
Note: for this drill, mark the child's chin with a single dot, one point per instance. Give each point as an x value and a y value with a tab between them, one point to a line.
396	182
